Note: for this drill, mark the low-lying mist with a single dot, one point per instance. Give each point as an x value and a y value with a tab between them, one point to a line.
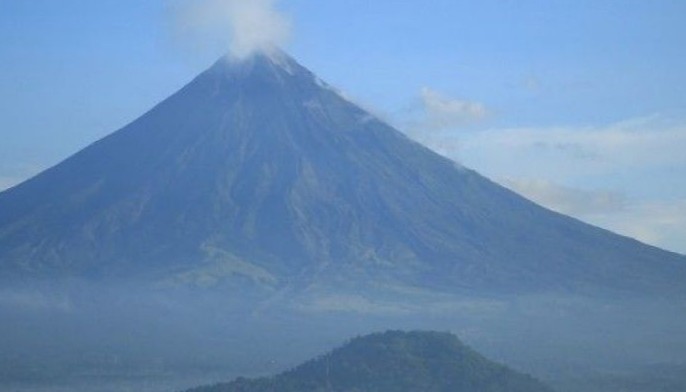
71	330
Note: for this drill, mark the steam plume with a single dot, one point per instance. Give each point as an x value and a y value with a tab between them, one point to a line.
244	26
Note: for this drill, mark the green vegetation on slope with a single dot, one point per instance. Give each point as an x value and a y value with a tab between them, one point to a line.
393	362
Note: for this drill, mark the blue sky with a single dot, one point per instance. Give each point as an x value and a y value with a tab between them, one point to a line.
579	105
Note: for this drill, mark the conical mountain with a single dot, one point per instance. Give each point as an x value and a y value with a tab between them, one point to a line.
394	361
257	170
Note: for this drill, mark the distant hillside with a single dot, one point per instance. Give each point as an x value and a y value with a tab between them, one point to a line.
395	362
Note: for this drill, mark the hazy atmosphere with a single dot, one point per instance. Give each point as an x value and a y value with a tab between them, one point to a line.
291	195
576	105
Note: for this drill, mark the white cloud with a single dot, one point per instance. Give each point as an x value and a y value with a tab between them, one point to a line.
243	26
444	113
14	173
661	223
569	200
8	182
627	176
436	121
626	145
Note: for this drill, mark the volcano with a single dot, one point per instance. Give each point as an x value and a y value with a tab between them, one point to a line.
258	172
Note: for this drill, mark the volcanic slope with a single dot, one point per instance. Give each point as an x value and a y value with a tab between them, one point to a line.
258	171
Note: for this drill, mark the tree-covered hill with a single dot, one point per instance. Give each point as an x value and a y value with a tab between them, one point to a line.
393	361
